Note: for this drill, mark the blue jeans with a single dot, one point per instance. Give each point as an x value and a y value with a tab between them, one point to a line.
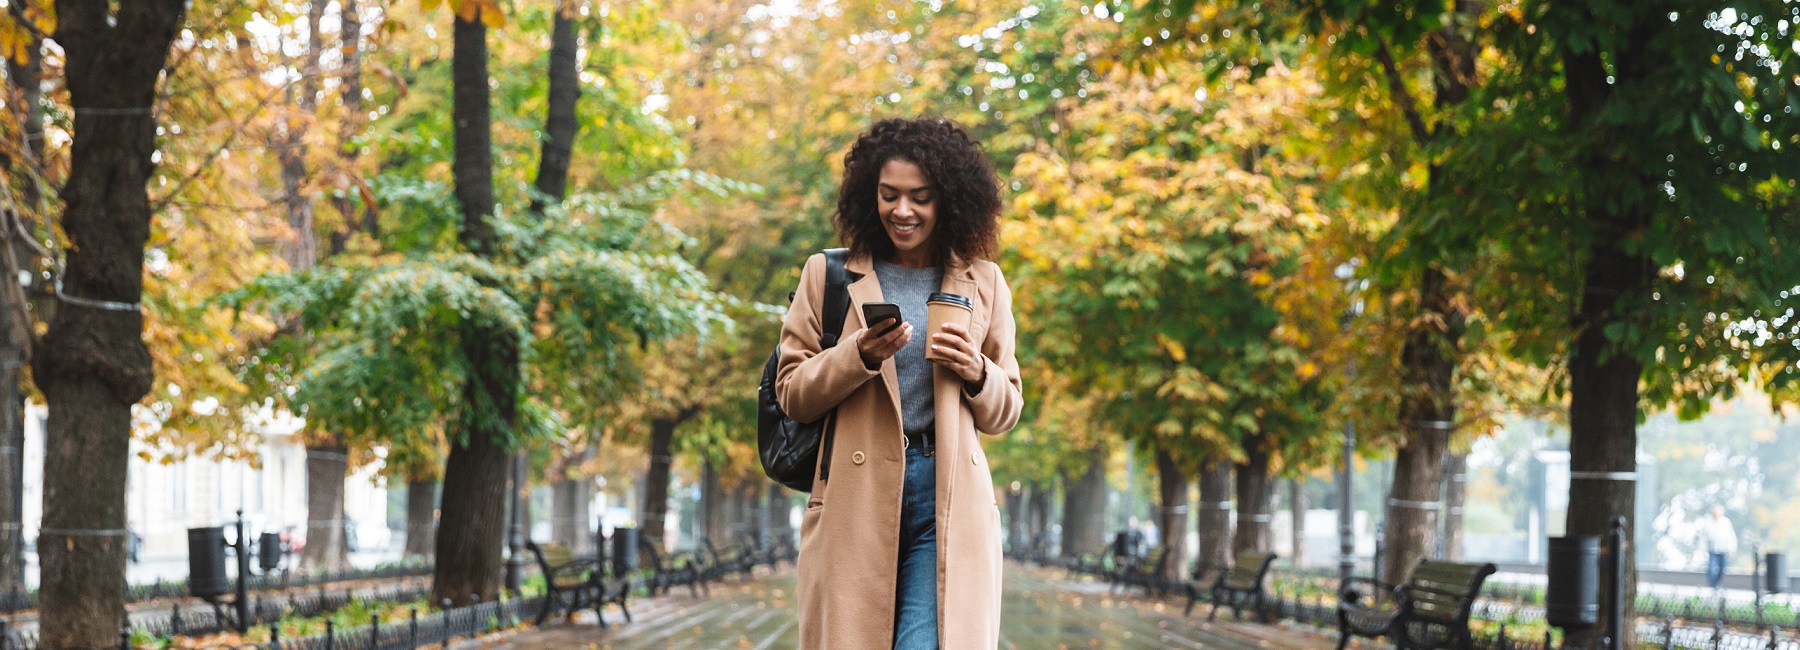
915	604
1715	569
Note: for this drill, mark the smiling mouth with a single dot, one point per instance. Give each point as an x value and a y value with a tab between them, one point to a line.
906	229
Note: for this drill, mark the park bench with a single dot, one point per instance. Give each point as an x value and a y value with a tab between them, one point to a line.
667	572
780	549
1145	571
1239	587
735	559
762	551
1430	611
572	584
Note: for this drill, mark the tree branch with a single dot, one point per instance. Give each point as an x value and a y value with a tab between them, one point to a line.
1397	87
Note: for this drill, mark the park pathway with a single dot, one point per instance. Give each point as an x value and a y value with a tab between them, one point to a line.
1043	608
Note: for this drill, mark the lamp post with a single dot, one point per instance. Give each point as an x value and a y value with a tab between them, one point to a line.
1346	272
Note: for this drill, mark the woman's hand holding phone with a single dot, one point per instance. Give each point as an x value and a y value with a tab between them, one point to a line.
883	338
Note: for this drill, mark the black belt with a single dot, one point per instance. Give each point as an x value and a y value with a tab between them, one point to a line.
925	441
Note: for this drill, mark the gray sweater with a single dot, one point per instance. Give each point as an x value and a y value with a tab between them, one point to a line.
908	288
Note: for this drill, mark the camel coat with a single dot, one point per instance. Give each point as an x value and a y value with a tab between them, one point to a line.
850	533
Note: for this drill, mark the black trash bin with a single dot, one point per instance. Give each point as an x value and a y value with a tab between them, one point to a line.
268	551
206	562
1776	575
1573	596
624	550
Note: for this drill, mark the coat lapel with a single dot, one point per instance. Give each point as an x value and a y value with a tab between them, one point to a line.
866	288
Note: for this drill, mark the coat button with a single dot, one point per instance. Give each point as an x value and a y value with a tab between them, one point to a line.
975	460
857	458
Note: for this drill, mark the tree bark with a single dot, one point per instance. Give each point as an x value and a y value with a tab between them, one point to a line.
1215	516
350	80
656	480
1015	518
421	517
1172	516
777	507
326	546
1084	512
569	514
92	365
1254	490
712	505
476	477
560	122
1454	490
1297	507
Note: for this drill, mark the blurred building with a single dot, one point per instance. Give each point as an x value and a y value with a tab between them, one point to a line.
164	500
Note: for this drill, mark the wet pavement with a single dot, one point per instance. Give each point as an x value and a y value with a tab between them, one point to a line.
1043	608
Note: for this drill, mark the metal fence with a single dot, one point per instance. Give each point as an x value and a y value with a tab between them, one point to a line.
435	628
414	631
266	610
1302	595
18	600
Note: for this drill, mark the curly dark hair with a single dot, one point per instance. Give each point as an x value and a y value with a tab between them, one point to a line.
960	173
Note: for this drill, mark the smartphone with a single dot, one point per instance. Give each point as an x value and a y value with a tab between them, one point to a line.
874	312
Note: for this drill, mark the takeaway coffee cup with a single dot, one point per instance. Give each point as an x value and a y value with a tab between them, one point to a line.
943	308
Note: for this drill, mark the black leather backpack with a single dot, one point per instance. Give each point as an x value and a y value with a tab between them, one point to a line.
789	449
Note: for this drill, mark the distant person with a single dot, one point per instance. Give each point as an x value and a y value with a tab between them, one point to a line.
1721	542
1152	536
1131	540
919	210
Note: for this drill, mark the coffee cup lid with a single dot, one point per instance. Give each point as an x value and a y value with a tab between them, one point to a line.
951	298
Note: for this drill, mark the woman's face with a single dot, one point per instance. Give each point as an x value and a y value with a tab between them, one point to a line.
907	205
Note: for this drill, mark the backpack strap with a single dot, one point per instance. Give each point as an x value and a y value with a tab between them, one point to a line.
837	296
837	306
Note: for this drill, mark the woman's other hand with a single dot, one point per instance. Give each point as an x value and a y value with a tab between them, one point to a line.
958	354
876	349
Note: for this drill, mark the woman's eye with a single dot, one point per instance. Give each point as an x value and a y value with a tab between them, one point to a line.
890	198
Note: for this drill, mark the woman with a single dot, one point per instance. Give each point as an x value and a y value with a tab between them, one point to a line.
901	544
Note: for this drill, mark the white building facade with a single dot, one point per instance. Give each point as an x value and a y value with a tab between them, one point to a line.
164	500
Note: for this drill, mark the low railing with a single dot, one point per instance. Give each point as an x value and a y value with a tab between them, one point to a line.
19	600
1302	595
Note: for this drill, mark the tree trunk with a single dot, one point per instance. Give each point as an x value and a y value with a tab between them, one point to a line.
560	122
26	75
1215	516
1411	523
1603	379
350	80
1297	507
1454	490
476	476
1254	490
421	517
779	506
326	546
656	480
1015	518
569	514
712	506
92	365
1084	512
1172	516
